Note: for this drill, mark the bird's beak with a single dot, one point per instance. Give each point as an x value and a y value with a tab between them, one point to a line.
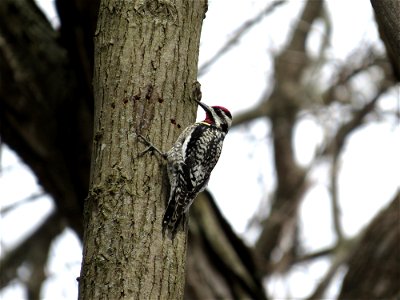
204	106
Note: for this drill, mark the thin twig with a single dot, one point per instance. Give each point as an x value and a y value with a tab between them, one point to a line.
241	31
337	225
314	255
342	254
18	203
338	141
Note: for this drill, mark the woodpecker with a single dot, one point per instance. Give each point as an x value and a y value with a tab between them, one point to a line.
190	162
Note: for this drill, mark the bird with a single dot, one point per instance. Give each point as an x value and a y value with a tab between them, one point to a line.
190	162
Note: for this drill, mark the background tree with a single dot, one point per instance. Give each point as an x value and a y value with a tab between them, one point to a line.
46	117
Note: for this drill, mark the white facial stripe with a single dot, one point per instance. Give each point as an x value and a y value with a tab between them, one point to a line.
227	119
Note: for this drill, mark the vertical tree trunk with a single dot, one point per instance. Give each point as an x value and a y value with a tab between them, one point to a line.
145	63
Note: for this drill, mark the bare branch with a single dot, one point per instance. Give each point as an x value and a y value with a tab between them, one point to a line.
31	249
33	197
213	242
315	255
44	116
374	263
334	198
342	254
336	144
238	34
349	69
291	178
259	111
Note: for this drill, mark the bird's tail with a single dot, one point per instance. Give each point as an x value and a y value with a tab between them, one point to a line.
175	214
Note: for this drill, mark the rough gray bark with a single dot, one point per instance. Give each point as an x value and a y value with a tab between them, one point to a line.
145	66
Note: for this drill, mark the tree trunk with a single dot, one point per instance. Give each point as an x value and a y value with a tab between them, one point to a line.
145	63
374	266
44	116
219	265
387	17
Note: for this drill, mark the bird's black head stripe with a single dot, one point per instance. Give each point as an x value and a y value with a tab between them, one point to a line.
221	113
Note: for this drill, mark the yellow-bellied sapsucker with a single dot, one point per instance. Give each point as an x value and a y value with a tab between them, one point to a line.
190	162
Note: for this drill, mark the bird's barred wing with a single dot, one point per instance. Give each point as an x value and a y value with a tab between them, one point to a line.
202	154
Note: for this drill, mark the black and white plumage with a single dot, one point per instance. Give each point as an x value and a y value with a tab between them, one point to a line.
190	162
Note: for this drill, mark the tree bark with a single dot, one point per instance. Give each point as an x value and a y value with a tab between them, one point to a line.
387	17
44	117
220	265
145	64
374	266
